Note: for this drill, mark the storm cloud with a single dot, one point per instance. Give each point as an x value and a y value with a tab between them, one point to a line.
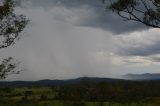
75	38
101	18
56	48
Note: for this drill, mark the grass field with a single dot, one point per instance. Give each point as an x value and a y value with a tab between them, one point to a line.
46	96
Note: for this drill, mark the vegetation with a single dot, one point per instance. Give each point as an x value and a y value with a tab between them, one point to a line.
11	26
144	11
119	93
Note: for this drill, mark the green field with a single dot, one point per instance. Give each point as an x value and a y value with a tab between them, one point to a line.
77	95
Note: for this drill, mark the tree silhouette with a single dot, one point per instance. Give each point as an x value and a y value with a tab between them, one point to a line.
144	11
11	26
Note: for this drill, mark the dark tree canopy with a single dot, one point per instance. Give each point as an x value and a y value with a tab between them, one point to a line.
11	26
7	67
144	11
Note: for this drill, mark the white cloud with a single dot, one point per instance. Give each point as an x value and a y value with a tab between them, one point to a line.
138	43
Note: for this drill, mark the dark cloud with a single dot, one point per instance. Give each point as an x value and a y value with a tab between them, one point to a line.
142	51
105	19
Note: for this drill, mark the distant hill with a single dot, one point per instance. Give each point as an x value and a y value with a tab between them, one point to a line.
46	82
146	76
55	82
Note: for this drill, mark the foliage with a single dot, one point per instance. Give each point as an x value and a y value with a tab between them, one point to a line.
7	67
144	11
11	26
120	93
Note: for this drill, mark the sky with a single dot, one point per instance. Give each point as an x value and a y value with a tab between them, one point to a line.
75	38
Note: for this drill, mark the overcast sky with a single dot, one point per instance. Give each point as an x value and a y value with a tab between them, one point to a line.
75	38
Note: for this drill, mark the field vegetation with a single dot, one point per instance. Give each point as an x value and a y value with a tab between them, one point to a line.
84	93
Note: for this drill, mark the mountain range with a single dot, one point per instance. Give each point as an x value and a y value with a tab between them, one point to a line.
47	82
145	76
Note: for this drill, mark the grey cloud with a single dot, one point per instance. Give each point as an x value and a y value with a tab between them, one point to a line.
145	43
131	62
105	19
155	59
57	49
144	51
73	38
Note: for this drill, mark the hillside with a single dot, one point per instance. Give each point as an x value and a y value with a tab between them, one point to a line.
146	76
47	82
